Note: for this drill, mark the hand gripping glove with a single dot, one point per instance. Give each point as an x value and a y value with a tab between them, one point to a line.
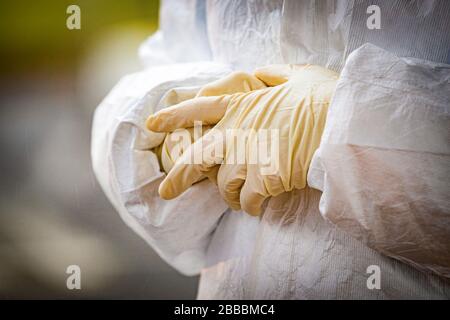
290	114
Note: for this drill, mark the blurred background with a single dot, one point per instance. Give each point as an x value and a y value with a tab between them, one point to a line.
52	211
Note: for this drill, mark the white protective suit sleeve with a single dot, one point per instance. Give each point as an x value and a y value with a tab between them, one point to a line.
129	172
389	186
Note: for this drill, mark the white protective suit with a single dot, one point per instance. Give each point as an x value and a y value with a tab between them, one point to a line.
294	250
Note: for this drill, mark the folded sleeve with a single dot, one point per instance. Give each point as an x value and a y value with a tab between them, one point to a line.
383	161
128	171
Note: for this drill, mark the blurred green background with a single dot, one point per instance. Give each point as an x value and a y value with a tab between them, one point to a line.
33	34
52	211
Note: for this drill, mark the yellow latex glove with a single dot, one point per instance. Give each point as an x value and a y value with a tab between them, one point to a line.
295	107
175	143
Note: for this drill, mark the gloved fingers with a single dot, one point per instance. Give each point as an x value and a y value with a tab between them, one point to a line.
276	74
208	110
172	186
177	95
252	198
253	192
230	179
199	160
233	83
212	174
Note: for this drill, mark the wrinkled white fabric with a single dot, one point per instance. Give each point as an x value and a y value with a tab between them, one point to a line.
249	34
389	186
291	251
327	32
245	34
182	34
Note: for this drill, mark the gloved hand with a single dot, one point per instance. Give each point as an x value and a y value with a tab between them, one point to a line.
295	108
175	143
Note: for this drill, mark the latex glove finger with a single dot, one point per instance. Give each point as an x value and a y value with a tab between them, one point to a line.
230	180
209	105
235	82
252	198
176	143
276	74
212	174
208	110
199	160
